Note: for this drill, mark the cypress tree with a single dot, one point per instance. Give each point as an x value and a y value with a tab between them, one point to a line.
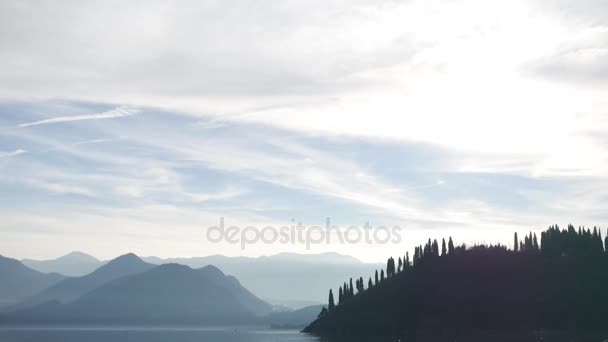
376	278
340	296
428	249
606	243
444	249
331	305
390	267
381	275
515	243
407	259
450	246
369	283
435	248
535	243
400	265
352	290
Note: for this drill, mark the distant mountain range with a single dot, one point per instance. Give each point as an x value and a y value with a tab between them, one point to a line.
71	289
74	264
166	294
128	290
18	282
287	279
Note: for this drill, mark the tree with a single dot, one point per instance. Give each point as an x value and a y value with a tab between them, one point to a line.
390	267
322	313
369	283
435	248
444	249
407	260
399	265
606	243
515	243
450	246
376	278
381	275
535	243
340	296
331	305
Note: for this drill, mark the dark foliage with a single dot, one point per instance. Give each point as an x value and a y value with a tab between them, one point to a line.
557	284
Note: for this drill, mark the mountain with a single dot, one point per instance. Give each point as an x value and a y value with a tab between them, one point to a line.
74	264
70	289
482	293
166	294
19	282
294	319
284	278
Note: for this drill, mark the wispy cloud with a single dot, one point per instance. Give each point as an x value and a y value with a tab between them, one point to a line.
57	187
92	141
118	112
12	154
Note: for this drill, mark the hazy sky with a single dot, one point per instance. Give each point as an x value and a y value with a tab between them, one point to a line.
133	126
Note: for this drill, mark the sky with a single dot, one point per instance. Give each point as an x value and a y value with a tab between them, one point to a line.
135	126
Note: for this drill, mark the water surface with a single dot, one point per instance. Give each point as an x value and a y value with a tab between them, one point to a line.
148	334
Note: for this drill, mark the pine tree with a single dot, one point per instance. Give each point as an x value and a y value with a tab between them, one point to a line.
400	265
450	246
535	243
352	290
376	278
444	249
515	243
331	305
369	283
407	259
340	296
381	275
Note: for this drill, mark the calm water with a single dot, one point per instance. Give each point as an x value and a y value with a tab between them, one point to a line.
110	334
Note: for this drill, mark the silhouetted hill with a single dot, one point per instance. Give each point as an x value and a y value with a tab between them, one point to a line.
294	319
167	294
556	285
71	289
18	282
74	264
284	278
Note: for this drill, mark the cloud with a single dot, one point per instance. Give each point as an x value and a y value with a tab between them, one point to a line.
581	59
118	112
92	141
12	154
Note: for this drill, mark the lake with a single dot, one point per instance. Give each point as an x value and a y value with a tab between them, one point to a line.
149	334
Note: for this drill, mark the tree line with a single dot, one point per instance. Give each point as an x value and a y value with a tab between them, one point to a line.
554	242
